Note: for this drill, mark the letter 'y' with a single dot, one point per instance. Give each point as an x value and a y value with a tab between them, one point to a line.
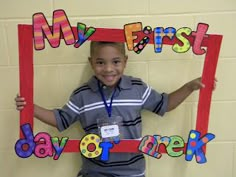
83	35
58	147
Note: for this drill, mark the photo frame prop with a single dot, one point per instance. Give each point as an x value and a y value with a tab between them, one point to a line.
212	43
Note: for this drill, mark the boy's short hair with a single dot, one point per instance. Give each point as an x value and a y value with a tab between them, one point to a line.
119	45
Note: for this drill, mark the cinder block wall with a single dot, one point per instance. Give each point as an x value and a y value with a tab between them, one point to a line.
59	71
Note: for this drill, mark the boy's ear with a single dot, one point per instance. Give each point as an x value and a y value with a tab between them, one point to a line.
126	58
90	60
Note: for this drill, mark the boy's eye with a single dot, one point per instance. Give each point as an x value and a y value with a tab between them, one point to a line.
99	62
116	61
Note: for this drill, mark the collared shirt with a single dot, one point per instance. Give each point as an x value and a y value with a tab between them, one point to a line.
86	106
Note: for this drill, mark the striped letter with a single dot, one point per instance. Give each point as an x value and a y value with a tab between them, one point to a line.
42	30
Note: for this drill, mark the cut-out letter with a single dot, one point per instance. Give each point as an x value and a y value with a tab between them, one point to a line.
42	30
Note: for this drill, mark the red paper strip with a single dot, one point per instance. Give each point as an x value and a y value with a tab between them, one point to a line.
208	77
129	146
25	35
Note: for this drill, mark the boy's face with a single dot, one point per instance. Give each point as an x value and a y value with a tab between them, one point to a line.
108	64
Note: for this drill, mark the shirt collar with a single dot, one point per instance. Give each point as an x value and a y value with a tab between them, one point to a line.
125	83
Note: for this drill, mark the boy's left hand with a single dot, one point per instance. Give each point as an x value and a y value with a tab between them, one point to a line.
197	84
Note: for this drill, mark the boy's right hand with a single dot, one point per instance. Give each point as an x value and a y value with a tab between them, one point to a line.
42	114
20	102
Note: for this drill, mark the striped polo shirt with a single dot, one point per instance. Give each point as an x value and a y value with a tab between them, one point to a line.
86	106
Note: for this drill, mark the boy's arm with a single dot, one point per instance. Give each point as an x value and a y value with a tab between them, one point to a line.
45	115
177	97
42	114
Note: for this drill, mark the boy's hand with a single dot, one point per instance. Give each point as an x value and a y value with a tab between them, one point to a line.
178	96
197	84
20	102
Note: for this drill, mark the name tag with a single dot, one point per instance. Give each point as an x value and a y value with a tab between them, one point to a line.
109	131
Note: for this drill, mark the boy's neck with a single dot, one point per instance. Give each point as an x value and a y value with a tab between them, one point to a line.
108	87
102	85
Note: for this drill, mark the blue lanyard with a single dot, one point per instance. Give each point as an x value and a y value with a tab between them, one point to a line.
108	107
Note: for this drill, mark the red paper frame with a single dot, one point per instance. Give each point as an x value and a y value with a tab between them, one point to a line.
25	39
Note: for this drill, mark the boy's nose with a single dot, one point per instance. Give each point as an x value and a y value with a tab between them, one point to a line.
108	68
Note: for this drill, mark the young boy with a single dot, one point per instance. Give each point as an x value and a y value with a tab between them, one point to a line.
110	95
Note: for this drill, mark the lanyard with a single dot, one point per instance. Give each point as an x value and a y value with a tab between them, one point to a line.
108	107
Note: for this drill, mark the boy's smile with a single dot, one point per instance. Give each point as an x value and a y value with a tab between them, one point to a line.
108	64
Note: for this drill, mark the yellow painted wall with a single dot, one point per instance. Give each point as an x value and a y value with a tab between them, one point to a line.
59	71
